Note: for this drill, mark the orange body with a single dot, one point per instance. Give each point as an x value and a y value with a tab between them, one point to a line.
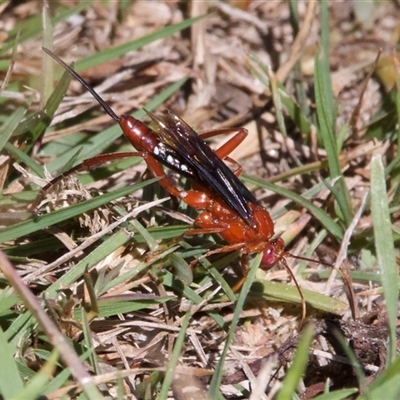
217	216
227	206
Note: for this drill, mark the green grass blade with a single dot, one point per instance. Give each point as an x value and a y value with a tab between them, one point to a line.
108	308
327	133
19	326
34	389
102	251
10	379
47	65
190	294
50	328
276	291
337	394
21	156
37	124
398	111
215	383
174	359
326	112
26	227
329	224
10	125
385	248
88	341
7	301
386	385
296	370
294	111
354	361
325	52
50	108
110	54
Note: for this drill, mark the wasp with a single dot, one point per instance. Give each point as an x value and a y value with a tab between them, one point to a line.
226	206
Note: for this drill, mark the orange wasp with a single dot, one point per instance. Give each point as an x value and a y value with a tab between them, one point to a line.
226	206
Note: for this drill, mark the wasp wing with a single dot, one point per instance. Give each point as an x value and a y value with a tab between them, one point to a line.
201	160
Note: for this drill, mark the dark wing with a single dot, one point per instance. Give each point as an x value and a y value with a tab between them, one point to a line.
167	156
197	157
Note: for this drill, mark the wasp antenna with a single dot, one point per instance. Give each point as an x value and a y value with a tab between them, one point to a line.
286	254
105	106
345	277
303	300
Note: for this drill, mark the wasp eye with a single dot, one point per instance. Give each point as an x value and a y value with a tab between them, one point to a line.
269	258
272	253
